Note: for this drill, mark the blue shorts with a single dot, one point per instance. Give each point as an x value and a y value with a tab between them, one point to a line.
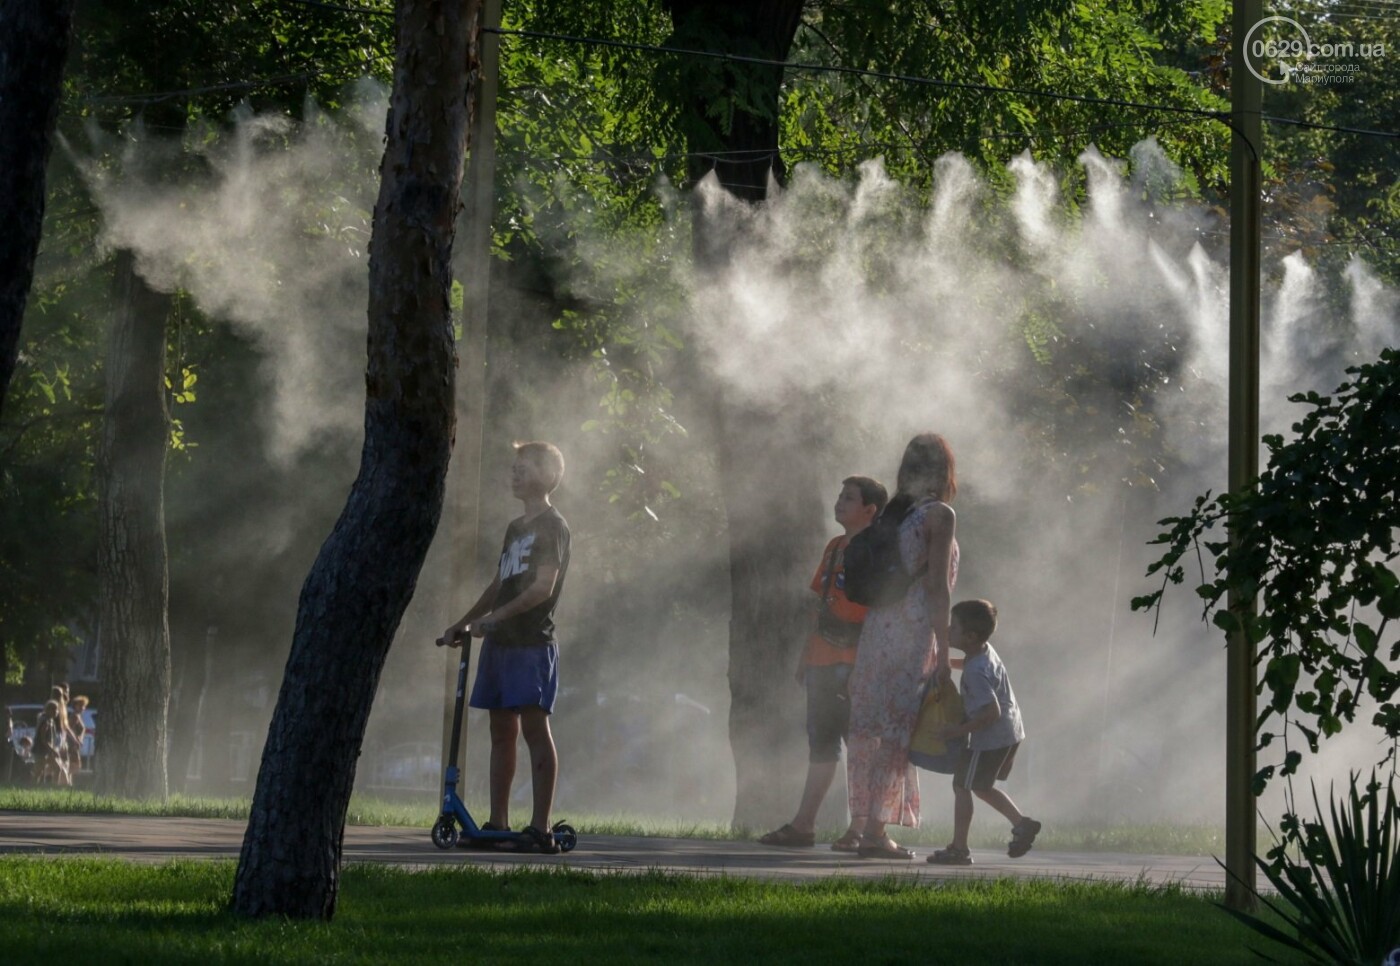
516	677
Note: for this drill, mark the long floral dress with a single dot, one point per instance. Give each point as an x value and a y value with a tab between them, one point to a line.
893	662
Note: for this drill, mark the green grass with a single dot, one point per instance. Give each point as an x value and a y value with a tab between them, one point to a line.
103	911
363	811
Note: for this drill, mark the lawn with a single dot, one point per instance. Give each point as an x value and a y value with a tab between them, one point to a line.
104	911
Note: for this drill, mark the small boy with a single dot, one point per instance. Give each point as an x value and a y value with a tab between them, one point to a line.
517	675
825	666
993	722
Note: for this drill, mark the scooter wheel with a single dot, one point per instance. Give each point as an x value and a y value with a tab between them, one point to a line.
565	835
445	833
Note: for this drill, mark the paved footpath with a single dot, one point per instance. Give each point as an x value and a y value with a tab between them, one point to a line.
147	839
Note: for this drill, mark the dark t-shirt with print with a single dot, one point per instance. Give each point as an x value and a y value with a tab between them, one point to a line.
528	547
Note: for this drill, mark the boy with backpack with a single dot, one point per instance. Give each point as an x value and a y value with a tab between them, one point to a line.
825	665
993	723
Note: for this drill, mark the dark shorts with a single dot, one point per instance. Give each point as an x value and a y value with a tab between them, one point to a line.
516	677
980	770
828	711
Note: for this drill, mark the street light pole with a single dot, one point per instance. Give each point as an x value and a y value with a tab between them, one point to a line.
478	211
1246	101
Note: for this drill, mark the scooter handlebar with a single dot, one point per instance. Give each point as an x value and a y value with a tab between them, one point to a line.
456	641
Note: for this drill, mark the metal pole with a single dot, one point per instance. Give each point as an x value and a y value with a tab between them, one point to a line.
1246	99
478	211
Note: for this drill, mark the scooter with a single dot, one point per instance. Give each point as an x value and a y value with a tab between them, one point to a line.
454	810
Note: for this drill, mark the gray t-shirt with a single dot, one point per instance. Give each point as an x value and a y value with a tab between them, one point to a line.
985	677
528	548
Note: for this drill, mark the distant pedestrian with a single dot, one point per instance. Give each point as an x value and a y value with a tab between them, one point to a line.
50	762
78	728
10	764
993	720
67	739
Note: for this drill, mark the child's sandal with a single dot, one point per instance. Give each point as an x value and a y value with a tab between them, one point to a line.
467	842
951	856
533	840
1022	837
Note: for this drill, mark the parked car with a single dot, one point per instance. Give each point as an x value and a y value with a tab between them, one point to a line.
26	716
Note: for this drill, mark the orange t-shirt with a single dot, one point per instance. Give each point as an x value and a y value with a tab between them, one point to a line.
821	652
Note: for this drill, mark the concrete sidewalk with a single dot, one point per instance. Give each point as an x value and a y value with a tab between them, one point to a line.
150	839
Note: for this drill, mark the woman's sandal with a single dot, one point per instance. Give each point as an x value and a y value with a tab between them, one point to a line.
887	849
789	838
850	842
533	840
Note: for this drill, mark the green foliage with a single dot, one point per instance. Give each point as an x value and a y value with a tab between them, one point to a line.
1346	182
1340	897
584	139
166	64
1088	49
1317	543
47	499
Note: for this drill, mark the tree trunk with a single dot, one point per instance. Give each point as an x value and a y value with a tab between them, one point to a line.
365	573
134	578
773	500
33	48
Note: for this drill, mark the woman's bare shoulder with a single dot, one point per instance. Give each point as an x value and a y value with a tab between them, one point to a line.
937	513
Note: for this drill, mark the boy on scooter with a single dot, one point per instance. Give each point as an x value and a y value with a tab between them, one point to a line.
517	675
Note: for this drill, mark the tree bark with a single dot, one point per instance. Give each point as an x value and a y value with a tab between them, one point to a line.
365	573
773	500
134	578
34	37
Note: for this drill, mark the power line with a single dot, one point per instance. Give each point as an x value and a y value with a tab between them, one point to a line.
1371	6
1310	125
155	97
860	72
341	7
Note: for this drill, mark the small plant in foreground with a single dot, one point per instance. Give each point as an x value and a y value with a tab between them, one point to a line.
1338	882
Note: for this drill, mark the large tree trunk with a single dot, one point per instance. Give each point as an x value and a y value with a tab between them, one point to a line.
33	48
365	574
133	578
773	501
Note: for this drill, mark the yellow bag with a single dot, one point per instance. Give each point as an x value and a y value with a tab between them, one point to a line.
942	706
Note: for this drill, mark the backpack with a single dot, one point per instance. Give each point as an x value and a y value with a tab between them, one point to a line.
46	737
875	575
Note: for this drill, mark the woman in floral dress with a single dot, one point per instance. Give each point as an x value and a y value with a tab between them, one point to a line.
901	646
